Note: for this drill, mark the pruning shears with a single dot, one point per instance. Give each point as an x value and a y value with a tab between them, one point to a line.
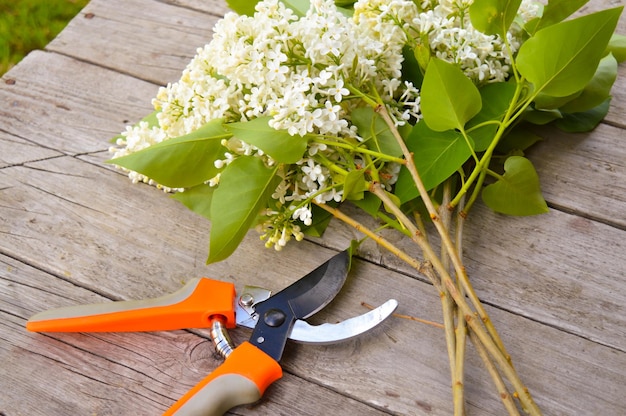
249	368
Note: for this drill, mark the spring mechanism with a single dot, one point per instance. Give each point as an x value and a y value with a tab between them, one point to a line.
223	344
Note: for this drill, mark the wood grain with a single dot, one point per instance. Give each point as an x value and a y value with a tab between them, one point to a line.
68	105
584	173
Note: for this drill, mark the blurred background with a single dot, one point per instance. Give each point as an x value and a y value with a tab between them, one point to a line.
26	25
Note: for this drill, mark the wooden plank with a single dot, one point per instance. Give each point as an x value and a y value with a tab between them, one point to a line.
114	374
70	106
82	212
92	221
148	39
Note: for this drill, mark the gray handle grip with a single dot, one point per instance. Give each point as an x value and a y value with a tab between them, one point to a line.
219	395
241	379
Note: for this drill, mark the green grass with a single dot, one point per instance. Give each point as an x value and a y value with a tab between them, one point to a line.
26	25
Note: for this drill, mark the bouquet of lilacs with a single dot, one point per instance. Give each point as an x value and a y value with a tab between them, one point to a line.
409	110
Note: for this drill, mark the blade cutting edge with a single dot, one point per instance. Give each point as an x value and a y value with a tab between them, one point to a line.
350	328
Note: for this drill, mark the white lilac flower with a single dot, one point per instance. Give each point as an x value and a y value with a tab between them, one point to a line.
304	215
277	230
304	73
294	70
484	58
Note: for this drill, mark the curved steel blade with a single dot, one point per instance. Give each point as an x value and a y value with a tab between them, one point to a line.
297	301
314	291
350	328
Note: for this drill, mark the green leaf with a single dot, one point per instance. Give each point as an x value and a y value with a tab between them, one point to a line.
617	46
151	119
593	94
558	10
531	26
448	99
416	206
355	185
375	132
518	139
493	17
496	99
392	222
370	203
197	199
548	102
598	89
353	251
181	162
394	199
422	55
242	7
580	44
541	117
437	156
518	191
245	187
279	144
585	121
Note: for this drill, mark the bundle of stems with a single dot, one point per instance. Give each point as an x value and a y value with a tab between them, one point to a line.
464	315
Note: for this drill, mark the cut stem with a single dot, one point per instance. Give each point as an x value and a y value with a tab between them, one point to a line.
490	338
443	232
426	269
503	392
461	328
447	303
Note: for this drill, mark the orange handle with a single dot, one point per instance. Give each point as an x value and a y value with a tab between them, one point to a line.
190	307
241	379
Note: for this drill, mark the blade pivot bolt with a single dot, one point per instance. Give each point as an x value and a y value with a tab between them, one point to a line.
274	317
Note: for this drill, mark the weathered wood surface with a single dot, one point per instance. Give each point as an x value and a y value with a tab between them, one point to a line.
73	230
